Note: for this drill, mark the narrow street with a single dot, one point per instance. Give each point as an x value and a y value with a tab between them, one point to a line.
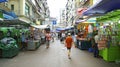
55	56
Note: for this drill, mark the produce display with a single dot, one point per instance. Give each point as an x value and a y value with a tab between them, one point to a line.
9	47
109	34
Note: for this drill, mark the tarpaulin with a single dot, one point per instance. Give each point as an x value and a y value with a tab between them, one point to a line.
3	1
102	7
60	29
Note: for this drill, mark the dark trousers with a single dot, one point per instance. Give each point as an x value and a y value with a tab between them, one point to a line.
24	45
96	51
77	43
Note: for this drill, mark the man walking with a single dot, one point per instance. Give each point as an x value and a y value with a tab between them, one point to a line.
68	44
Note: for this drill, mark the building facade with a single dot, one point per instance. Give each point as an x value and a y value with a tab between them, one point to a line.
70	12
80	7
29	12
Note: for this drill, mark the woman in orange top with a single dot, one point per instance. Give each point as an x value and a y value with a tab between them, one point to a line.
68	43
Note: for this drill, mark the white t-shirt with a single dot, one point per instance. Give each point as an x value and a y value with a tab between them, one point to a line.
96	38
90	29
63	34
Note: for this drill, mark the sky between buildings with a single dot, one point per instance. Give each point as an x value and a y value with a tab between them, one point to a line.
55	6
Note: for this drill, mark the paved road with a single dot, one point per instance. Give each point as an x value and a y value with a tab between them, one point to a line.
55	56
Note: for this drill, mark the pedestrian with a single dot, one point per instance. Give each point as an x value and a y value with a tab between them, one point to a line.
52	36
23	43
48	38
63	37
42	38
68	44
95	46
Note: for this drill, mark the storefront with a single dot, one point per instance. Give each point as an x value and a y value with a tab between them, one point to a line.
109	33
8	45
85	34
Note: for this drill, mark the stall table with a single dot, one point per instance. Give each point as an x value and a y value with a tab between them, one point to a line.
110	54
33	44
84	44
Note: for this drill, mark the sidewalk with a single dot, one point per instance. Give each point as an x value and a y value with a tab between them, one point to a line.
55	56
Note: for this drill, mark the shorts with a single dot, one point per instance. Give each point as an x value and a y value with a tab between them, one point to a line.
68	48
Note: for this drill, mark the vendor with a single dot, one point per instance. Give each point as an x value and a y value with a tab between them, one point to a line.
23	41
77	39
96	51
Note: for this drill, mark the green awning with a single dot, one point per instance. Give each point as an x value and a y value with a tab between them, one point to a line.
111	16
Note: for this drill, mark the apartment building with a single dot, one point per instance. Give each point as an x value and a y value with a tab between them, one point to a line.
81	6
70	12
27	11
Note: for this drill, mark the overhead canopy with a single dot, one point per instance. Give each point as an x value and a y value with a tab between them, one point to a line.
69	27
8	14
102	7
3	1
40	26
60	29
15	22
79	21
111	16
81	10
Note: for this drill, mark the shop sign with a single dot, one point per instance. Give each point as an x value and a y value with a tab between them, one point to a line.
81	10
54	22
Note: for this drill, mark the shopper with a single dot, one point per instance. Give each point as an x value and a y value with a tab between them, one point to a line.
23	43
96	51
52	36
68	44
48	38
42	38
63	37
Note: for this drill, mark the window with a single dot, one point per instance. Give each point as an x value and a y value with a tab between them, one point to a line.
12	7
27	10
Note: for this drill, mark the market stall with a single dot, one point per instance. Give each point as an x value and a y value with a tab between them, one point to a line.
84	36
8	47
37	36
109	33
34	39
